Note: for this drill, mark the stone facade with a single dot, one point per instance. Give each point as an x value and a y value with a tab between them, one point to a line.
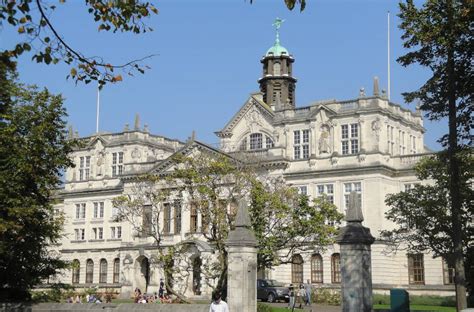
367	144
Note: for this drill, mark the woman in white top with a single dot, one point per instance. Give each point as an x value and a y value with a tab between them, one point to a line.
218	305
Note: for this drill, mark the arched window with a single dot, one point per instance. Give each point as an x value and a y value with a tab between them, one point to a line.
316	269
297	269
336	268
116	270
103	271
76	270
89	271
256	141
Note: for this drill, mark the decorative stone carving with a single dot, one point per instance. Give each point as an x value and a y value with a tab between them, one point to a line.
323	144
100	162
136	153
253	119
362	92
376	129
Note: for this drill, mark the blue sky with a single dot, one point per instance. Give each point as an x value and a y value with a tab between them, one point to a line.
209	61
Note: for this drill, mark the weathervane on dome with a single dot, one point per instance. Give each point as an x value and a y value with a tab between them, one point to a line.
277	24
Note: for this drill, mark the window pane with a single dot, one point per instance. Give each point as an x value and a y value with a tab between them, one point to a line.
336	268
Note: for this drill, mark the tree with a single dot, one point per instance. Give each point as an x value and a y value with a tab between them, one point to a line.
33	153
38	34
439	36
210	184
423	213
286	223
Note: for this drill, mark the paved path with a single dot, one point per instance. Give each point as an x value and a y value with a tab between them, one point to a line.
313	308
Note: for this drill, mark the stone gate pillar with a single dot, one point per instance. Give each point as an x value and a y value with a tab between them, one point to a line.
242	264
356	268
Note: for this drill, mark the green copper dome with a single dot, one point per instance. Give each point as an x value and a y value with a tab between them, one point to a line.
277	50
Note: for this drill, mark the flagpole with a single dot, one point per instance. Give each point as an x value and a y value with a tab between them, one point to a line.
98	107
388	55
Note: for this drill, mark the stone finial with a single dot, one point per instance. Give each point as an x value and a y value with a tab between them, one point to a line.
354	210
193	135
126	127
376	86
145	128
70	133
361	92
243	234
76	134
384	93
243	218
137	122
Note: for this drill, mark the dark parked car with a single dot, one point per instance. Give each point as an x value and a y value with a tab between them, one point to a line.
271	291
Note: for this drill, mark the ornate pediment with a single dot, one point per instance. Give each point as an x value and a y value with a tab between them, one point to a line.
254	112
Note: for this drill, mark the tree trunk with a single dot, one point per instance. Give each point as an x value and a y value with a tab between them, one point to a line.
454	186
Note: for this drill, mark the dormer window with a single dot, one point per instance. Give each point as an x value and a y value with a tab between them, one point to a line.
84	167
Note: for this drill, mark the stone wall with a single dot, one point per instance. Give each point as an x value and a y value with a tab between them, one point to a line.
122	307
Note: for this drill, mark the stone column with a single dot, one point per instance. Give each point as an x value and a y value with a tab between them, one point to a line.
242	264
356	269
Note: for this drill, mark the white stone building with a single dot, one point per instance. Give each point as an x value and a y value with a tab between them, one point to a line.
368	145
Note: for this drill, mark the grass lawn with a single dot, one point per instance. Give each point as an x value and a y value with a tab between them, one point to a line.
276	309
419	308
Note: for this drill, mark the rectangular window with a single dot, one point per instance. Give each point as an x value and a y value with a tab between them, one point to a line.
302	190
166	218
117	164
412	144
301	139
100	233
416	269
350	139
193	218
448	273
328	190
84	167
352	187
81	211
79	234
409	186
177	217
116	232
402	143
390	140
98	210
94	233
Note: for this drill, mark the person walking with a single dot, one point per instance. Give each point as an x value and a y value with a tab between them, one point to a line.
161	291
308	290
291	303
218	305
301	295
